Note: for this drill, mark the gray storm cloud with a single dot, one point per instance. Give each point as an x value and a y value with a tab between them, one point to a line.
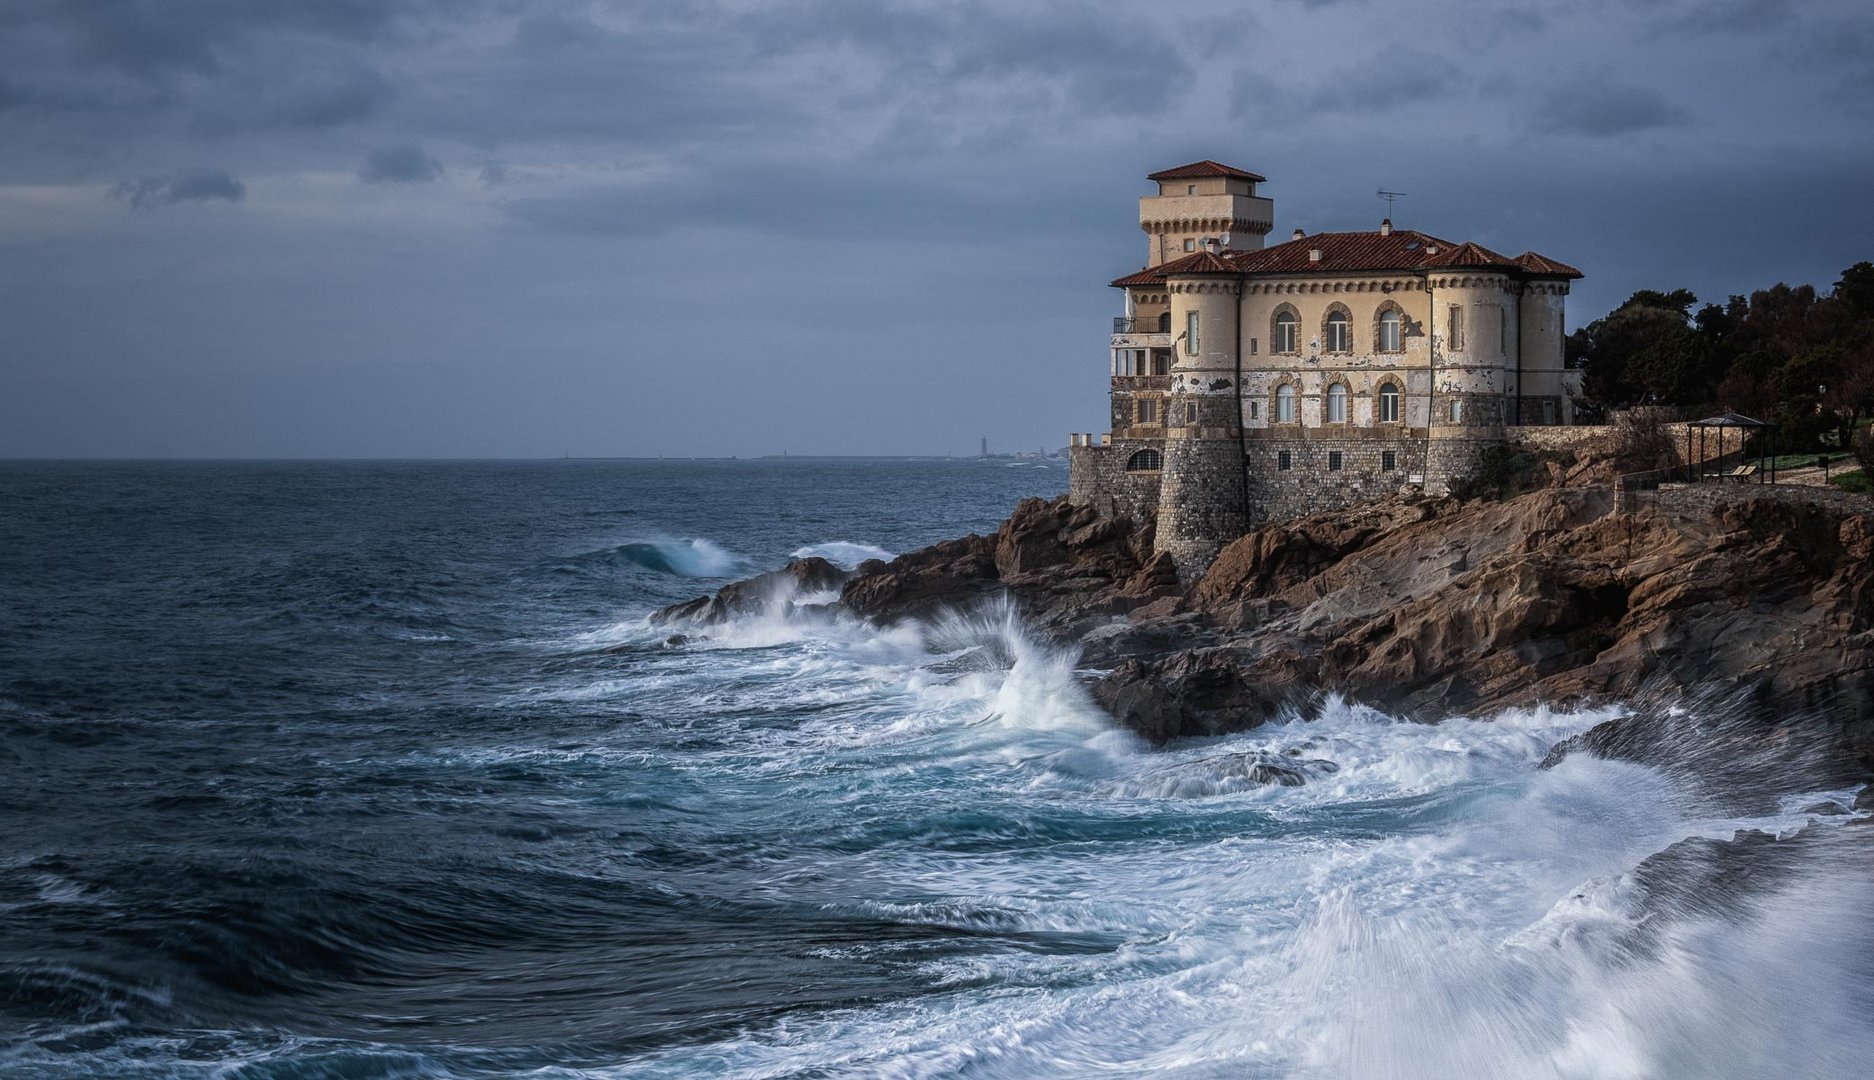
883	202
400	163
198	185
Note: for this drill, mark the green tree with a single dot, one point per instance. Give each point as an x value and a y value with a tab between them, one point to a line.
1644	350
1855	290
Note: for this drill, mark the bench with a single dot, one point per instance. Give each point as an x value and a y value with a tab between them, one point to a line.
1740	474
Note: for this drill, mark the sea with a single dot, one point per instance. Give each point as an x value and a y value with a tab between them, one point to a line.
377	770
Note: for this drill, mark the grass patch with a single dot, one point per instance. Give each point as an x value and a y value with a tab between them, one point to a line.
1803	461
1858	482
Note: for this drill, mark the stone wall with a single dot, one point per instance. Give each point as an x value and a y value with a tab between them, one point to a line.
1709	497
1604	437
1098	478
1310	484
1555	437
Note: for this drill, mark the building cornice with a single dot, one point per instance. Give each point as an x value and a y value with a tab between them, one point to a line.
1163	226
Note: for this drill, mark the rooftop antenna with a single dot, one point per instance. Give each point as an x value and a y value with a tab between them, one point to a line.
1389	196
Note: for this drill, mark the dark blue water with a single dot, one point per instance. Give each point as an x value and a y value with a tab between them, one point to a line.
242	709
374	770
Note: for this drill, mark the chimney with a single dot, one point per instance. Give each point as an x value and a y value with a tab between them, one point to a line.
1314	255
1211	245
1297	236
1385	227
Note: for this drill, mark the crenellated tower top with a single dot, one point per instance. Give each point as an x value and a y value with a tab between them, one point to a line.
1204	200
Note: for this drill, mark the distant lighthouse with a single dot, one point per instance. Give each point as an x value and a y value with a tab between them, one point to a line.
985	450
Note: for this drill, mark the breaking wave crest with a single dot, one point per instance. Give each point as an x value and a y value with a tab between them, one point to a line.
683	558
843	553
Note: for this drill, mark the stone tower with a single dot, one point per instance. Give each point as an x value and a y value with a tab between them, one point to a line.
1203	201
1202	493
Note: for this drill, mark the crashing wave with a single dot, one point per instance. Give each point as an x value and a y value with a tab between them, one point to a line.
844	554
695	558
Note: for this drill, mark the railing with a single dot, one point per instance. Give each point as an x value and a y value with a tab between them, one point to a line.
1128	324
1712	468
1141	382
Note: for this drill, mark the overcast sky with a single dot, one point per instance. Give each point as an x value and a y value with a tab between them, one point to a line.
446	228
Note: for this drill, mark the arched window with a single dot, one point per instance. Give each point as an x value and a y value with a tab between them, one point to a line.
1389	403
1145	461
1287	331
1285	403
1337	403
1391	331
1339	331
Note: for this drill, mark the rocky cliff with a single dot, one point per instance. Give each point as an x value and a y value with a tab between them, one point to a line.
1761	609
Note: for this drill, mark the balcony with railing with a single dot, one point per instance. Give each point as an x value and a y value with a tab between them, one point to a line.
1149	332
1133	383
1142	324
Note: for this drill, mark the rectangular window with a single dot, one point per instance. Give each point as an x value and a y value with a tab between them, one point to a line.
1190	244
1333	461
1255	410
1252	346
1190	333
1286	329
1190	412
1503	329
1190	189
1548	412
1339	335
1454	327
1148	411
1457	411
1283	460
1388	461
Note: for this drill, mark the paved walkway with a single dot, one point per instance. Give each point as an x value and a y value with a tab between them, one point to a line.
1813	476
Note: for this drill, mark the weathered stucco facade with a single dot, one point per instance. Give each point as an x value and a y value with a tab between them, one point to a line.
1253	383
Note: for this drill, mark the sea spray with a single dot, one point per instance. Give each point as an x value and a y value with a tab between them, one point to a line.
842	553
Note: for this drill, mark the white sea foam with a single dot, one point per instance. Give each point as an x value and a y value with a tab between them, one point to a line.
1428	903
843	553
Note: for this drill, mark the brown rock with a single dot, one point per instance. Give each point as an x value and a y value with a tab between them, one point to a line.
775	590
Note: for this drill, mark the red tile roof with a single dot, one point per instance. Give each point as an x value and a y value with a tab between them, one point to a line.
1202	262
1542	266
1197	170
1354	252
1147	276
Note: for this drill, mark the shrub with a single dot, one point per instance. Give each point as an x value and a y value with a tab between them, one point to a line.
1642	443
1504	473
1864	450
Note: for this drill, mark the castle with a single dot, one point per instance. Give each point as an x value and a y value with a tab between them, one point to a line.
1253	384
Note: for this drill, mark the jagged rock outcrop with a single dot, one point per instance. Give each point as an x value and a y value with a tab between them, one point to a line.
773	592
1435	607
1069	568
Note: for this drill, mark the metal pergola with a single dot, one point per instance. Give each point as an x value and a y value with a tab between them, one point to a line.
1765	470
